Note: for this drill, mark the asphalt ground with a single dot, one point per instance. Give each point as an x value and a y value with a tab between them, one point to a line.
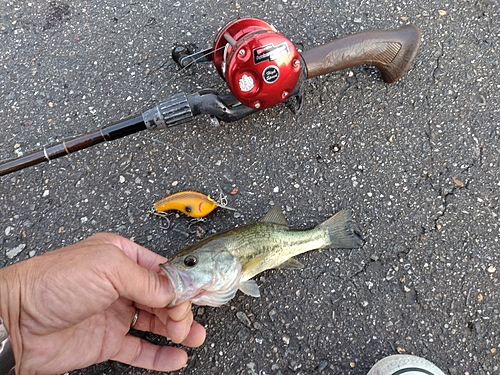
417	161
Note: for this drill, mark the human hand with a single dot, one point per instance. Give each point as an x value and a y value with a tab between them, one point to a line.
73	307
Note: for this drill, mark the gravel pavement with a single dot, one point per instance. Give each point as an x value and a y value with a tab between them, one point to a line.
417	161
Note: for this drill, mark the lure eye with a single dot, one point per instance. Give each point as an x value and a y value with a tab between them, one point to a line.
190	261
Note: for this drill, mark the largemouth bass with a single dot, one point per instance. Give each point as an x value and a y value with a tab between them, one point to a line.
211	271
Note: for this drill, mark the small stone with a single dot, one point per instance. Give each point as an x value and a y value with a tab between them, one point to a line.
322	366
175	183
442	12
492	269
390	274
45	193
10	96
32	253
400	350
121	179
242	317
272	314
286	340
276	189
15	251
7	230
458	182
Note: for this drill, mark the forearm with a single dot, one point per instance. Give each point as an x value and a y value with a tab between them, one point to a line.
10	312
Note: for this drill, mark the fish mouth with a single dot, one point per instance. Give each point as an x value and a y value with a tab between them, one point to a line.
182	284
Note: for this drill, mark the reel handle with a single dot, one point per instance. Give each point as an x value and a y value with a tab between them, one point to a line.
391	51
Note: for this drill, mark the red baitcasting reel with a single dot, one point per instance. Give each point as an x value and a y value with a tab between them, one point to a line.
260	65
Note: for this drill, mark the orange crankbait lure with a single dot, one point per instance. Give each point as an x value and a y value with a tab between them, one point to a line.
191	203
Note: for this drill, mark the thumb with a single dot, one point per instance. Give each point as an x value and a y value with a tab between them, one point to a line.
138	284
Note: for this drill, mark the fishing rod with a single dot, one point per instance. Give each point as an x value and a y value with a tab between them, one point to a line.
261	67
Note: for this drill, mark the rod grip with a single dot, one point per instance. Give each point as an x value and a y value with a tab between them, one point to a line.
173	111
391	51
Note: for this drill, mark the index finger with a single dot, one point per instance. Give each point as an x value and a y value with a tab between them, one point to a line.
142	256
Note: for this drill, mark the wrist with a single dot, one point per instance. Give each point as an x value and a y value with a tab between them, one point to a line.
9	319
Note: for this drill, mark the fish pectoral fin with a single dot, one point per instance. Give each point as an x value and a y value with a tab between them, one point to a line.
290	264
275	216
250	288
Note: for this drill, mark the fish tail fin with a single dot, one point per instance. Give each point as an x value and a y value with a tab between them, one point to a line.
341	231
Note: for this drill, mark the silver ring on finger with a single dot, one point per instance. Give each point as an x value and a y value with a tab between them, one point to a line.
135	317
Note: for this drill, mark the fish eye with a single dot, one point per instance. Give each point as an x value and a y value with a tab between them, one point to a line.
190	261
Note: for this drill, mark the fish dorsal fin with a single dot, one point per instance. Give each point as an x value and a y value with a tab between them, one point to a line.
290	264
250	288
253	263
275	216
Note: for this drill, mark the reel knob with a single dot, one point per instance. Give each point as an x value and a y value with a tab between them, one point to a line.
260	65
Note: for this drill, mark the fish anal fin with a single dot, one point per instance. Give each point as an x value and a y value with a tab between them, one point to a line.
275	216
290	264
250	288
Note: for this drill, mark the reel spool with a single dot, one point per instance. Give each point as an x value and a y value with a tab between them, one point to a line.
260	66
